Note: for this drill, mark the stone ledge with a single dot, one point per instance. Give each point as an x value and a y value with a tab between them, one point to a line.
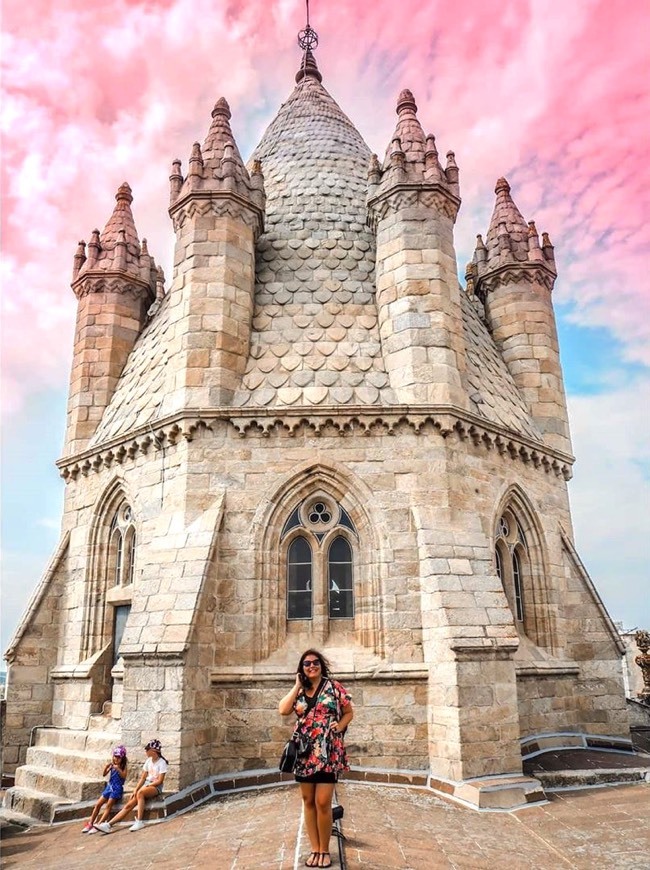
226	676
536	744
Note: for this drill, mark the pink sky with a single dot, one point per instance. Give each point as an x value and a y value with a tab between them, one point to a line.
553	95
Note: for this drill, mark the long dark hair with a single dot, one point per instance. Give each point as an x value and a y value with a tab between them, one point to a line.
324	664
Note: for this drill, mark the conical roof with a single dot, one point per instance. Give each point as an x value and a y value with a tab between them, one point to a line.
506	214
315	338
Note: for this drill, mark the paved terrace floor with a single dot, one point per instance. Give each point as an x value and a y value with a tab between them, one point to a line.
387	829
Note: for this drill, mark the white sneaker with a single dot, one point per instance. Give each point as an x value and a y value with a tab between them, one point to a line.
92	831
137	825
104	827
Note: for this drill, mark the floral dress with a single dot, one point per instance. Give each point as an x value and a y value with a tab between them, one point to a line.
326	749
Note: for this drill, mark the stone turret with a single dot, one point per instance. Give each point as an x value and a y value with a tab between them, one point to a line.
513	275
413	203
114	279
217	211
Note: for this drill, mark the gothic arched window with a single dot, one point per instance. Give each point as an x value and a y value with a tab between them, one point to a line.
299	588
512	561
121	547
320	540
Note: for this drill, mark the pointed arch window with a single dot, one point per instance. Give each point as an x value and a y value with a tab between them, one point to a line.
510	556
340	589
299	580
121	555
320	540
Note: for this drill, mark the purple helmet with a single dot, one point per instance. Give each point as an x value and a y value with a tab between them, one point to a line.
119	751
156	745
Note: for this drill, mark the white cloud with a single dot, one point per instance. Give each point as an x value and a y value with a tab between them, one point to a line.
610	495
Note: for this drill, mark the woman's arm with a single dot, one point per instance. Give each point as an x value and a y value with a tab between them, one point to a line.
286	704
143	776
107	768
158	780
122	773
346	718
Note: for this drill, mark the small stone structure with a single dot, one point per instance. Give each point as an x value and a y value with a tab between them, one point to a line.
314	436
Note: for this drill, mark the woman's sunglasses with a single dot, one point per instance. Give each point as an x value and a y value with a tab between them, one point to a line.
311	663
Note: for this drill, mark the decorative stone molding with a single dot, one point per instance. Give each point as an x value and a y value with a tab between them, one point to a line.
117	282
288	422
514	273
218	204
400	196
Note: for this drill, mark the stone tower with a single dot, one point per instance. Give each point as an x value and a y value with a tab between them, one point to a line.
315	437
514	277
115	283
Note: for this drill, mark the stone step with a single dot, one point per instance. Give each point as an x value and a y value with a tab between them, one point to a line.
85	764
69	786
97	742
568	779
35	804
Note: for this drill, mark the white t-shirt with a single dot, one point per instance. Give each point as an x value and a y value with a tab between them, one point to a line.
154	769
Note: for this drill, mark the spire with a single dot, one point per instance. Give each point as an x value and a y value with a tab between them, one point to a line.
508	221
217	165
409	131
510	241
117	249
308	40
121	219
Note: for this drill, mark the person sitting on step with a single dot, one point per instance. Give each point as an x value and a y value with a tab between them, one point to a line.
116	772
150	785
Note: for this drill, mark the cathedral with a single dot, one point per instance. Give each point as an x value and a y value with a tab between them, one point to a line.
313	435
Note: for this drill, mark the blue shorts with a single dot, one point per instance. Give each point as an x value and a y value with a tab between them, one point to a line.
110	792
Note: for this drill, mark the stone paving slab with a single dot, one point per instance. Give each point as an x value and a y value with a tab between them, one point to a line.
387	829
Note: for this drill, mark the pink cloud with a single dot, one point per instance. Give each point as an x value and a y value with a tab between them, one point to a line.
96	94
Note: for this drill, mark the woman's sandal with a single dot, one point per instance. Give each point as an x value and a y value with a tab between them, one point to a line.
325	856
313	860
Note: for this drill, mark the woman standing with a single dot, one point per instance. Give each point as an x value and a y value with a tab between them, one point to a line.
324	711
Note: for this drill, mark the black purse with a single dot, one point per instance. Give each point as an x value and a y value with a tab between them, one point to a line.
293	750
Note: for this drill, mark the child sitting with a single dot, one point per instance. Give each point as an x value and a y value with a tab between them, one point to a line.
149	785
116	770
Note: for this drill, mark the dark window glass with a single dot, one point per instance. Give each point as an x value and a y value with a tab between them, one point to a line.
130	558
497	554
121	614
516	579
341	599
292	522
346	521
119	548
299	593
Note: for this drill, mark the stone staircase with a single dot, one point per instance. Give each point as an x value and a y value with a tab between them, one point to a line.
61	777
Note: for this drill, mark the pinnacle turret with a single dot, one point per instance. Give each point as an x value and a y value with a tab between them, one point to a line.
510	240
412	157
116	249
216	166
409	132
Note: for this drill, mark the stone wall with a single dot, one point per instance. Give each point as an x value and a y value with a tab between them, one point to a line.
31	657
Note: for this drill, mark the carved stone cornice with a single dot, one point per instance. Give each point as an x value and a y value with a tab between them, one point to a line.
514	273
219	203
334	421
115	281
408	195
